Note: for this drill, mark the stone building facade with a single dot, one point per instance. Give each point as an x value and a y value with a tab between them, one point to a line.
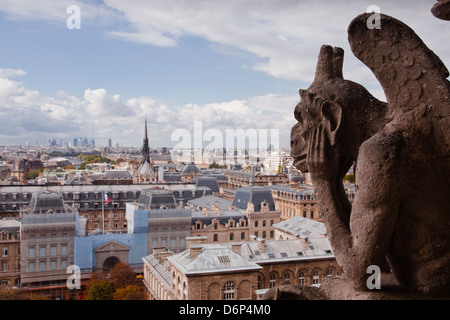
48	228
236	271
10	252
300	200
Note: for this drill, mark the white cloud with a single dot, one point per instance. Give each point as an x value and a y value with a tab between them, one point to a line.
101	115
281	38
285	34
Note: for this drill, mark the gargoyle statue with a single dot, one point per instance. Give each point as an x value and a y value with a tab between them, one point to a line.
400	217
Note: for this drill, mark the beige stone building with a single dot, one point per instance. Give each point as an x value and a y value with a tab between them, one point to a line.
241	178
300	200
236	271
10	252
251	212
47	229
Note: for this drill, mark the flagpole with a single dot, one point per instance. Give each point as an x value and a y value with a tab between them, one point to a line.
103	212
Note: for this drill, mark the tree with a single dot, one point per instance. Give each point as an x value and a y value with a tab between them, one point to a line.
122	275
130	292
102	290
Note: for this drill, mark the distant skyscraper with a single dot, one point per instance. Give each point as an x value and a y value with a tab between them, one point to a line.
109	143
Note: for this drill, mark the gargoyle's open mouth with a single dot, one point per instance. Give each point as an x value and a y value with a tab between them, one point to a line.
299	160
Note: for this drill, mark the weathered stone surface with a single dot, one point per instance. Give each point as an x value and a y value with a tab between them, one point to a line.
441	9
399	219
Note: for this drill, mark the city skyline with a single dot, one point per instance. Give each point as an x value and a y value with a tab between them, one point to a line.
174	63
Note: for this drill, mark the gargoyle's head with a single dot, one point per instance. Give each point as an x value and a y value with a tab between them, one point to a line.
342	107
316	106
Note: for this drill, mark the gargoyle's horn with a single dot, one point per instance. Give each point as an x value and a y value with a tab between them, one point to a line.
338	62
329	64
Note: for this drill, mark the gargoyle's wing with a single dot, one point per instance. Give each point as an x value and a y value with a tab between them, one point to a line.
406	68
412	76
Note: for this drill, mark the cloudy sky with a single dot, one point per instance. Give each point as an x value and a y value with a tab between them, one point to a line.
234	64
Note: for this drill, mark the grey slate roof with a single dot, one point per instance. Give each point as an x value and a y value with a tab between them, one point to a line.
209	182
285	250
157	198
117	174
214	258
255	195
302	227
208	201
42	202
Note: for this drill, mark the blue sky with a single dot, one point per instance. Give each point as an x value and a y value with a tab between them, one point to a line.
230	64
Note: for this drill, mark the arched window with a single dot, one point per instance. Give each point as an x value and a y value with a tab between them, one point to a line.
228	291
316	279
301	278
272	281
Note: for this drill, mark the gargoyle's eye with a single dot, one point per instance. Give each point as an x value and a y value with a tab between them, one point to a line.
298	115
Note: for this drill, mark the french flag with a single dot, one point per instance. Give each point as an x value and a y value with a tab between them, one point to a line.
105	197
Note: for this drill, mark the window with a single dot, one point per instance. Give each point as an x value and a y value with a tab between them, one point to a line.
231	236
42	251
256	224
53	250
287	276
242	235
272	281
173	243
42	266
330	272
215	237
64	264
53	265
304	214
5	252
31	252
315	277
228	291
31	267
301	278
5	266
312	214
64	249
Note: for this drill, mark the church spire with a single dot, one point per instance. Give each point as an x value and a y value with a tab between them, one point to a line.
145	148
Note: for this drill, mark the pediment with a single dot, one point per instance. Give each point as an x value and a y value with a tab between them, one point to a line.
112	246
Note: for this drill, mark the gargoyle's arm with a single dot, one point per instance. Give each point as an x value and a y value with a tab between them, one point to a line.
365	241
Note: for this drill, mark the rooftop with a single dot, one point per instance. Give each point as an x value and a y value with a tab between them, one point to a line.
302	227
213	258
255	195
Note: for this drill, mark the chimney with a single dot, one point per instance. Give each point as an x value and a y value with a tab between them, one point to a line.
191	241
305	242
205	211
261	244
195	250
236	248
